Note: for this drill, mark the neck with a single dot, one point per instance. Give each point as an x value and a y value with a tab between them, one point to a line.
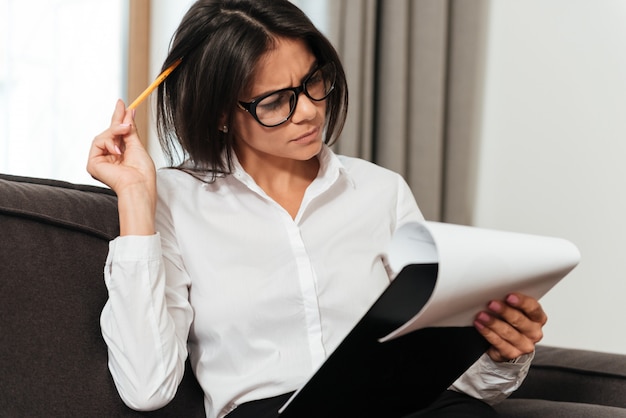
284	180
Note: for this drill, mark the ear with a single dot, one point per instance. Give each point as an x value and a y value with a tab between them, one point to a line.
223	126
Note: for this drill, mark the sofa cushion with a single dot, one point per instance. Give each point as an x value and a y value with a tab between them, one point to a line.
540	408
571	375
53	360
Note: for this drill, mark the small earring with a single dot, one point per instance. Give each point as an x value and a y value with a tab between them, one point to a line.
224	129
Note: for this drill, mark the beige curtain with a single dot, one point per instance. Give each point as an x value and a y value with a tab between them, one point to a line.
414	71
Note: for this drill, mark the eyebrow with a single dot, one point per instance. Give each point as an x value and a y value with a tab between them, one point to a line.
312	69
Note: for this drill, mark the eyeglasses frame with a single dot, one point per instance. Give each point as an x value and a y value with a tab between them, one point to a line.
250	106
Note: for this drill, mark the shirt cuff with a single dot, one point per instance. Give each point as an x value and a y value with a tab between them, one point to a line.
134	248
491	381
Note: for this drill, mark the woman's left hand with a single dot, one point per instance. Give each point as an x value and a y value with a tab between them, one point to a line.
512	326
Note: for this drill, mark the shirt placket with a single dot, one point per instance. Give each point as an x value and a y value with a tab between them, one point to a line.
308	287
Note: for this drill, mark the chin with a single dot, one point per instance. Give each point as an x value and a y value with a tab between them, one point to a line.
312	149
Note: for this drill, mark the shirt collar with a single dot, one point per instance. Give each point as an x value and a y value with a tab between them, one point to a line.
331	169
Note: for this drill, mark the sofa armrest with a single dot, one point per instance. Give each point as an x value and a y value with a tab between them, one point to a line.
570	375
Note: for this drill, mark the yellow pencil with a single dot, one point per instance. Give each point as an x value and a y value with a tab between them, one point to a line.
154	84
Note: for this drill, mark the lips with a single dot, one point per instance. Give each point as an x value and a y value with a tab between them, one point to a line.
307	135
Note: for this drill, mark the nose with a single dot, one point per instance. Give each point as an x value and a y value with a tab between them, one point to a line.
306	109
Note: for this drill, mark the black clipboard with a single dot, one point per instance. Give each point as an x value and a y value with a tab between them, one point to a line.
365	377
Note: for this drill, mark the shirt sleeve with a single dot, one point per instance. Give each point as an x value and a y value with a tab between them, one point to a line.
145	323
406	206
491	381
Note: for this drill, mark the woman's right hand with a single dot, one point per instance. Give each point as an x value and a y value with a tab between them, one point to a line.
118	159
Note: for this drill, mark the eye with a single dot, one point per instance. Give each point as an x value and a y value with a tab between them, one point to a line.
275	101
315	79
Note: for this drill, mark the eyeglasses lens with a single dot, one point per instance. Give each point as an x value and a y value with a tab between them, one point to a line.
277	107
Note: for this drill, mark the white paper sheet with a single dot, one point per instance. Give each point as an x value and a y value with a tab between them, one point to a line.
477	265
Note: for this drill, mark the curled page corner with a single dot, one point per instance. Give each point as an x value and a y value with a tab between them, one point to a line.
475	265
412	243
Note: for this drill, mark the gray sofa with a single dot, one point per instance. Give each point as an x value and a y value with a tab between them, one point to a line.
53	361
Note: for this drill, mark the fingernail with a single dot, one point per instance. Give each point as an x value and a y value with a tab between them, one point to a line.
479	325
494	306
125	125
512	299
483	317
133	113
118	150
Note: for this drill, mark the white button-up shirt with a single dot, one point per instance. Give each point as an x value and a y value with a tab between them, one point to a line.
258	299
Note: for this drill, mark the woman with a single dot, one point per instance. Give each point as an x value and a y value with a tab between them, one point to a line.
260	251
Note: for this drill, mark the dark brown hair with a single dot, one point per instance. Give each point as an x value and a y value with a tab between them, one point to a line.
221	42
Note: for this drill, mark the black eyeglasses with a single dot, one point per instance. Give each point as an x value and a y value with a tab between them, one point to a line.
275	108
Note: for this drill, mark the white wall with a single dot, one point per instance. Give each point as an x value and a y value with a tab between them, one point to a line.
57	89
553	158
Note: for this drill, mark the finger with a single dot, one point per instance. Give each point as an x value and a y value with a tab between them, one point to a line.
517	320
101	155
500	349
506	342
130	134
121	130
111	137
530	306
110	141
129	117
104	145
508	332
118	112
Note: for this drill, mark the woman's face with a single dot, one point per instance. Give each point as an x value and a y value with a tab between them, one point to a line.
300	137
